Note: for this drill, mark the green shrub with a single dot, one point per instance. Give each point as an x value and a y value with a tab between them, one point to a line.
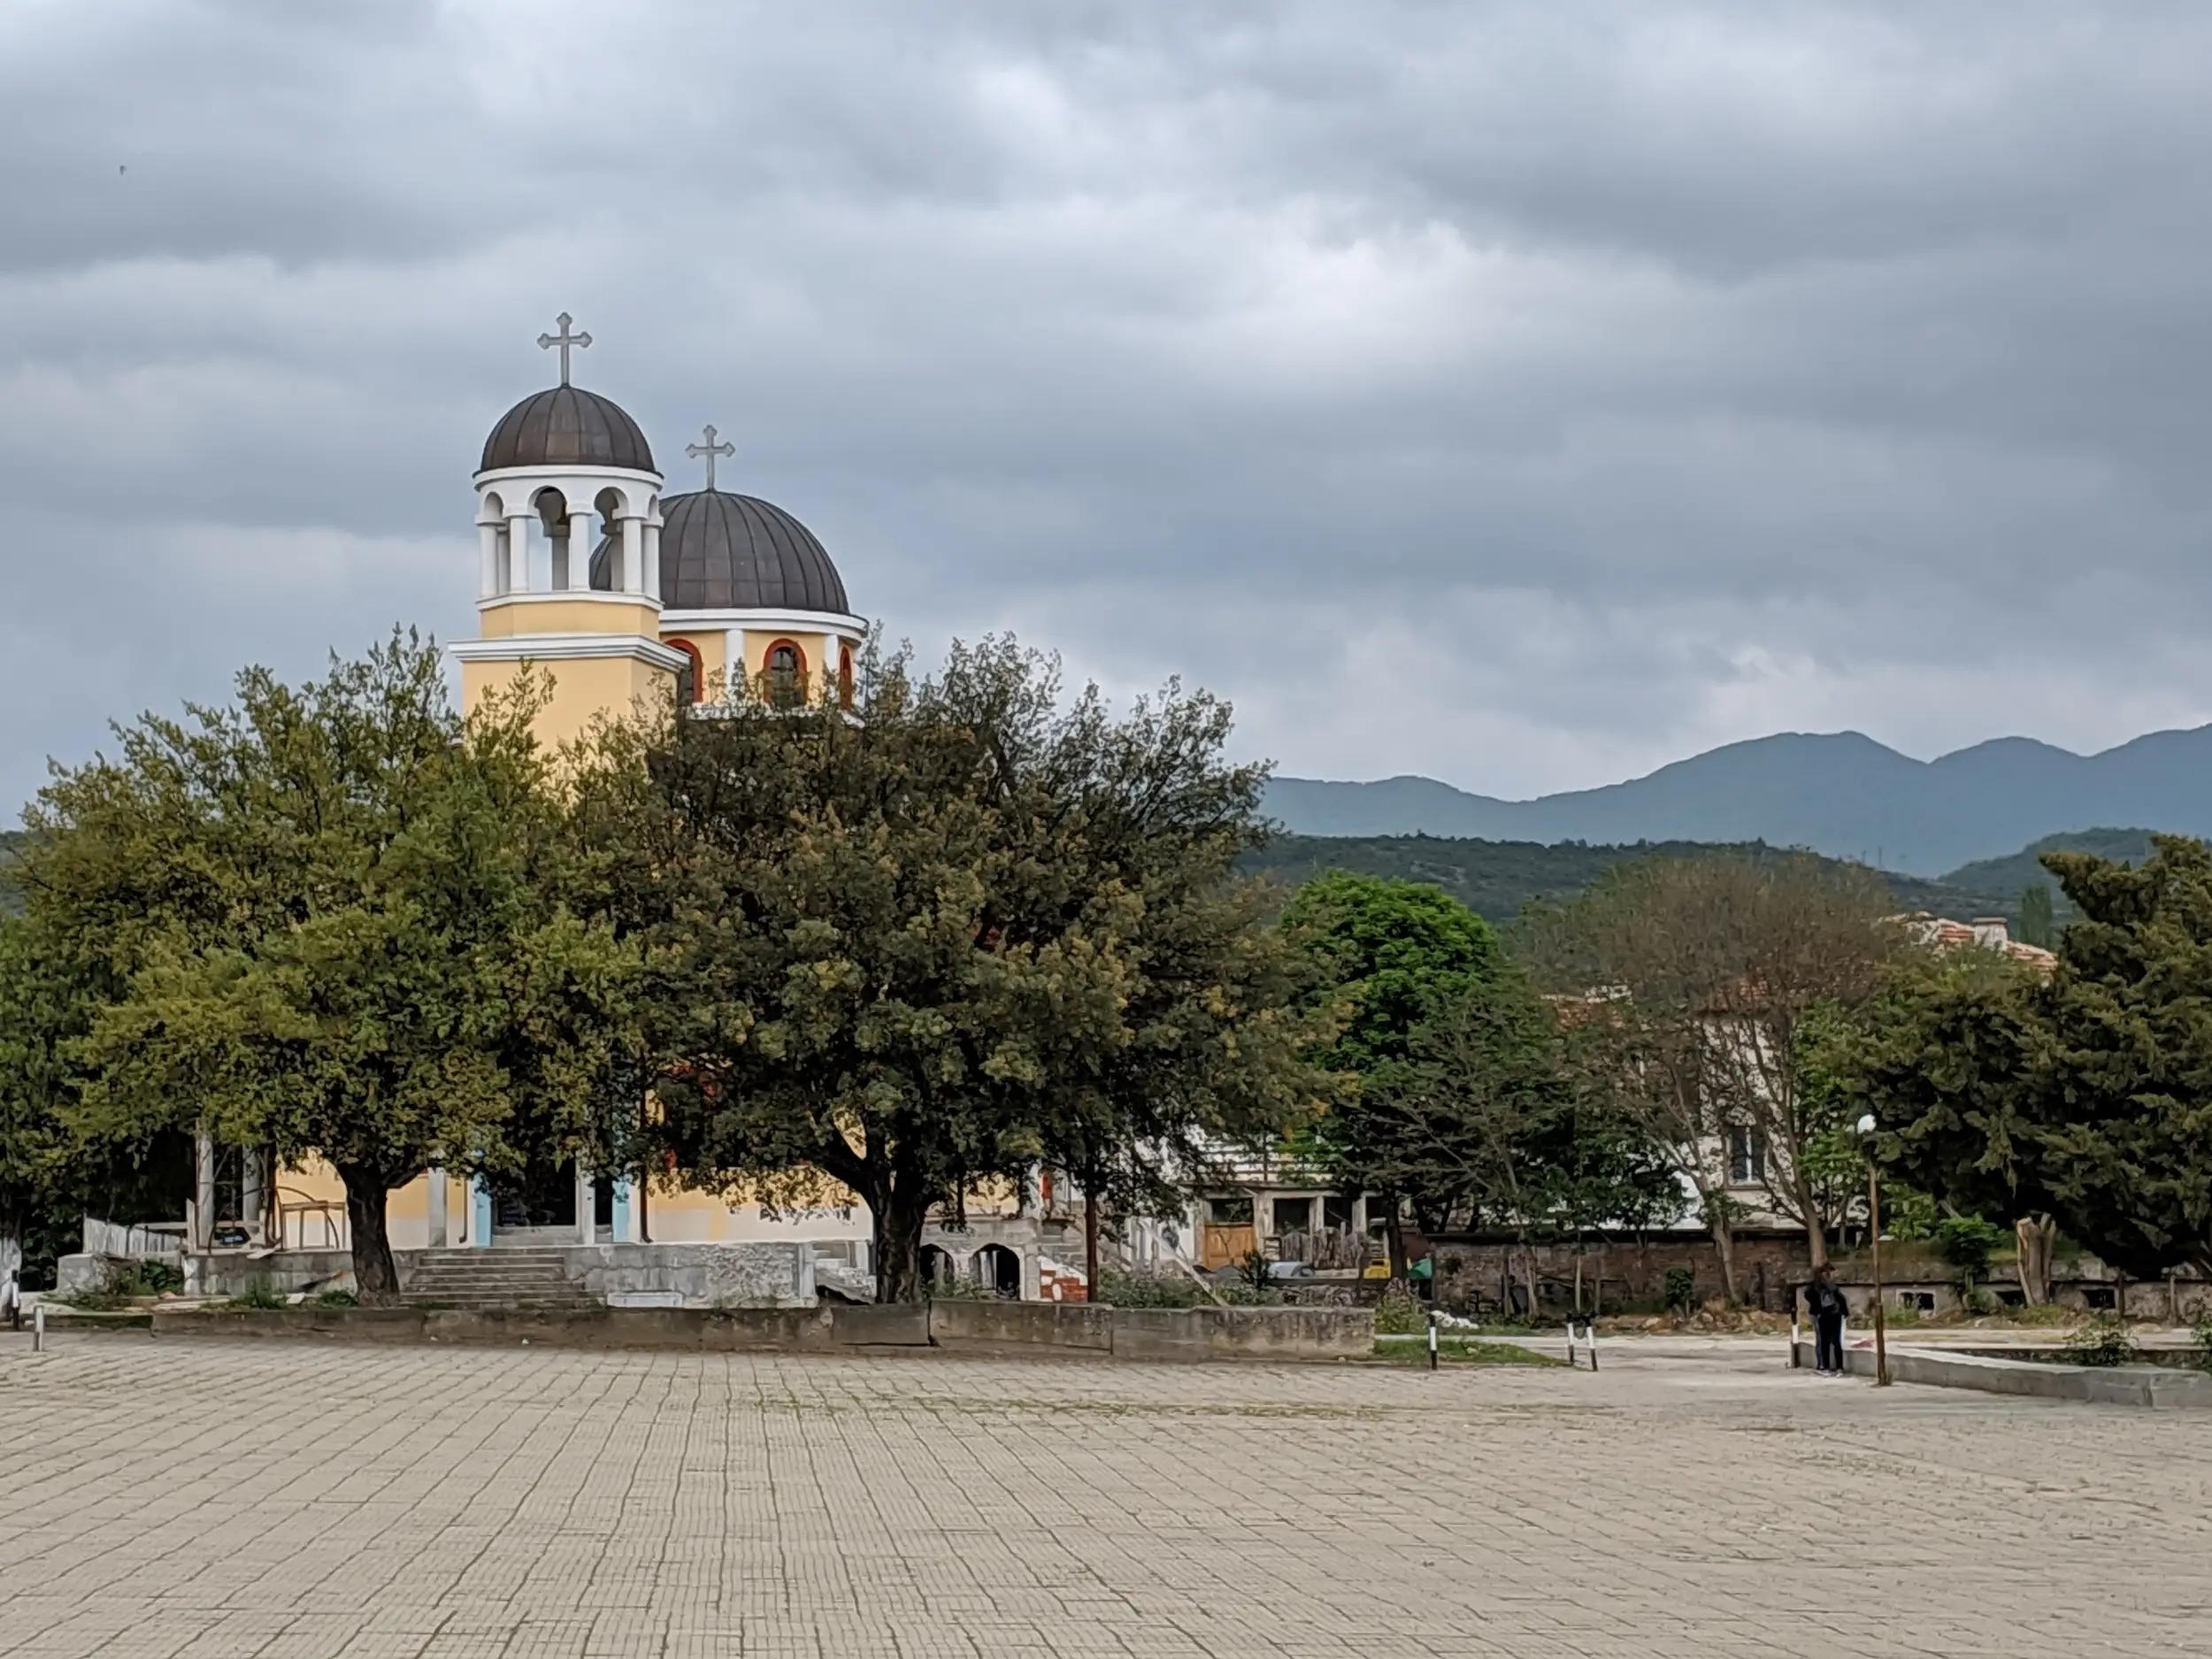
2104	1341
258	1292
2204	1341
336	1299
1121	1289
1400	1313
2043	1313
1967	1242
140	1276
1681	1292
1904	1313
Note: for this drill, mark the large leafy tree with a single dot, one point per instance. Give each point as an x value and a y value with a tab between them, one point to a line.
1694	983
1393	957
331	921
961	929
31	1089
2088	1095
1486	1126
2122	1061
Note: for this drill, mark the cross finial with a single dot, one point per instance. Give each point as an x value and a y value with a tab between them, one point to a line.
564	340
709	450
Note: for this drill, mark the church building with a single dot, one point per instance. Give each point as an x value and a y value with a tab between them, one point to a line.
591	574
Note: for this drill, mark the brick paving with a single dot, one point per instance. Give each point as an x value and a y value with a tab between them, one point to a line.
161	1499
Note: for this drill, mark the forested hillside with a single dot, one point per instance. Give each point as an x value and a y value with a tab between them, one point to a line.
1497	878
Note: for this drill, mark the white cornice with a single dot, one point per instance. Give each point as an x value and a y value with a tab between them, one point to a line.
554	647
765	621
580	469
589	596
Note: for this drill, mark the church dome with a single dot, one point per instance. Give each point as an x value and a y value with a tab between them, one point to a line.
567	426
721	551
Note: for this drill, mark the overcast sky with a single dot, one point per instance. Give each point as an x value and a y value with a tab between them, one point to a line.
1521	394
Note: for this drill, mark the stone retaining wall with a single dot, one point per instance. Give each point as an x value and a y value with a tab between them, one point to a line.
1072	1331
2121	1385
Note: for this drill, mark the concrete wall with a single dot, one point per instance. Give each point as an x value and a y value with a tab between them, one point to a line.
763	1275
1168	1336
1211	1333
2147	1386
1631	1270
985	1327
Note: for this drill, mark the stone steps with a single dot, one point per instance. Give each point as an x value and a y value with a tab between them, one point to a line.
520	1277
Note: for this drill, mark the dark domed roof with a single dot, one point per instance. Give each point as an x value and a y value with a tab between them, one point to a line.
721	551
567	426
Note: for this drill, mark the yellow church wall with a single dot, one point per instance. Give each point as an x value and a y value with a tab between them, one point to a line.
713	660
759	643
583	689
538	614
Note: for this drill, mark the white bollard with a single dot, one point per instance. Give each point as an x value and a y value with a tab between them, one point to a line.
38	1328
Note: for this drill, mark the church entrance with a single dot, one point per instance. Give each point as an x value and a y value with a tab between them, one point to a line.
543	1196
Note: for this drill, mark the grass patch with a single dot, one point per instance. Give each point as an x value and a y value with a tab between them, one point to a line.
1460	1350
259	1294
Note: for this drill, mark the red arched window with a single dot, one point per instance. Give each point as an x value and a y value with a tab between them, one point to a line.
691	679
787	674
844	676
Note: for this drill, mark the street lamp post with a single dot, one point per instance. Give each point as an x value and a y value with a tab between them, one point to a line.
1874	1228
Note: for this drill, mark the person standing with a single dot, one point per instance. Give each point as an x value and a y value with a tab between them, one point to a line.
1825	1303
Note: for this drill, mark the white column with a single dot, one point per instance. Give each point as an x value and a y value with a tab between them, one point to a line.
828	682
440	1235
201	1216
487	558
585	1231
517	553
633	556
253	1193
737	685
579	551
652	559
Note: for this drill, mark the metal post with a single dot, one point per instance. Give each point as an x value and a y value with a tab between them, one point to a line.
1795	1364
38	1328
1881	1319
1590	1334
1431	1342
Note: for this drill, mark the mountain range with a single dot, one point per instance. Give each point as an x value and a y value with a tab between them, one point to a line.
1841	793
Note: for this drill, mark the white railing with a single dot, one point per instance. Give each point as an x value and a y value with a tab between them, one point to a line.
133	1239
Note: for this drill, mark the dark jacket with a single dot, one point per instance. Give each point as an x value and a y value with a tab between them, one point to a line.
1825	1301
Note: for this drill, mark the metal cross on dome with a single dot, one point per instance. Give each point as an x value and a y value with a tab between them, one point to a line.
564	340
709	450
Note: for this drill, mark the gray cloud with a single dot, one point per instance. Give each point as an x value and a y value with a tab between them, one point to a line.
1526	395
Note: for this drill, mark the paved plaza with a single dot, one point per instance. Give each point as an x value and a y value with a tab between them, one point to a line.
175	1498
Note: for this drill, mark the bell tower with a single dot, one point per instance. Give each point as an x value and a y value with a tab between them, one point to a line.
563	469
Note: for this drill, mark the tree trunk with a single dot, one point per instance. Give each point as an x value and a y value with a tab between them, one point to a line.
1395	1237
898	1246
375	1277
2038	1235
1090	1235
1815	1224
1724	1243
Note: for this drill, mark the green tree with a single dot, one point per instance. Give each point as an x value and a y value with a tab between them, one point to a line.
962	930
31	1091
2036	927
1393	956
1697	983
330	921
2122	1058
1485	1128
